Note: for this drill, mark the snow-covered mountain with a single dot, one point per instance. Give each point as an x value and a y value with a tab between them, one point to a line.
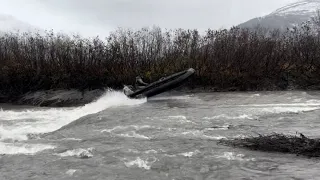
10	24
287	16
305	7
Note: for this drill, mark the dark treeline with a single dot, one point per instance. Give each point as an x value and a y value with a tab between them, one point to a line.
239	59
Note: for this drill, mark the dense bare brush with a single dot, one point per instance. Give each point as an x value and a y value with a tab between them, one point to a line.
234	59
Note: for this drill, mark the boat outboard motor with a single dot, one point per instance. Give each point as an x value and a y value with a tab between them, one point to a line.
127	90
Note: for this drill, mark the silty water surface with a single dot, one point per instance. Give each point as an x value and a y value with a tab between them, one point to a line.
172	136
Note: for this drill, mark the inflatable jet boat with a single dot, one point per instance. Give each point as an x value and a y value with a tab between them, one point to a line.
160	86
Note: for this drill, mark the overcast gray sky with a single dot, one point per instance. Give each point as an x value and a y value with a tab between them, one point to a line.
98	17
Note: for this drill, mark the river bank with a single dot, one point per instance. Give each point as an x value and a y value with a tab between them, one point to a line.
75	97
54	98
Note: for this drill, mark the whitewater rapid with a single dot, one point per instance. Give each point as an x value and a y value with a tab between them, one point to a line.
173	136
15	125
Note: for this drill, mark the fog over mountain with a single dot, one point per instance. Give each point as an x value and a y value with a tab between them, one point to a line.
287	16
9	23
99	17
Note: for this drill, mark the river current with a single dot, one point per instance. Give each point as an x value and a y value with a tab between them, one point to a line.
173	136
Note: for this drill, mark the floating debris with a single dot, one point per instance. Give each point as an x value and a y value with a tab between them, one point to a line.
293	144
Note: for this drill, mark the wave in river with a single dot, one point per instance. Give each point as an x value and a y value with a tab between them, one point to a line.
16	125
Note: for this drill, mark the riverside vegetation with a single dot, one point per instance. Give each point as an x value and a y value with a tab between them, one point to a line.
233	59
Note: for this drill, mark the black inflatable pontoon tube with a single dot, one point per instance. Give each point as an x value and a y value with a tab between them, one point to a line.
165	84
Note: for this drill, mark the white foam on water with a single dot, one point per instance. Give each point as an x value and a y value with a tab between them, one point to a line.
172	97
52	119
172	119
170	155
12	134
49	120
135	151
200	134
308	103
81	153
190	154
145	164
71	139
255	95
178	117
70	172
297	100
278	110
152	151
234	157
240	136
181	119
122	128
252	111
133	134
20	148
313	101
222	127
129	131
224	116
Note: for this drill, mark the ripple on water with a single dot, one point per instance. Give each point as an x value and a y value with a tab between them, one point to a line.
200	134
48	120
133	134
189	149
180	119
80	153
70	172
139	162
21	148
190	154
231	156
122	128
228	117
261	167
